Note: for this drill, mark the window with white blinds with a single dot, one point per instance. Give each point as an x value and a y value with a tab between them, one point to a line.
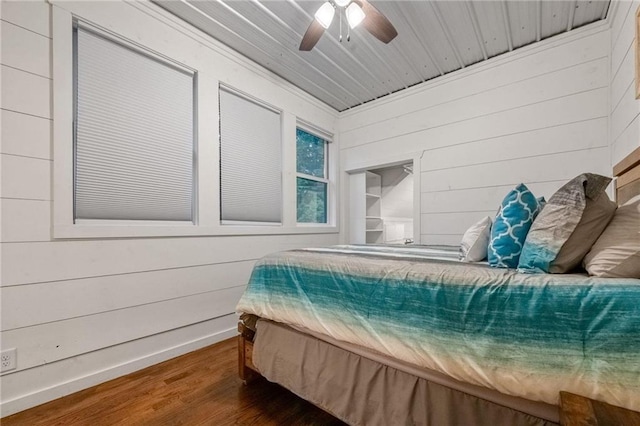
134	133
250	160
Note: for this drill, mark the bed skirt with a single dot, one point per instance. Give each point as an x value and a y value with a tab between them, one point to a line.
366	390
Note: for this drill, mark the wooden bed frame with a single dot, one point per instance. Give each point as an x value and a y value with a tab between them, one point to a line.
627	186
246	370
627	173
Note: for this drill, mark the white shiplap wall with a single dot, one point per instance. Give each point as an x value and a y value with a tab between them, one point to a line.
538	115
83	311
625	109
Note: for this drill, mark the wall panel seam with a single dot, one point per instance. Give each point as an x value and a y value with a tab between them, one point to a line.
569	123
630	11
125	307
467	95
493	186
120	273
626	90
479	116
615	74
617	138
199	36
26	113
117	344
24	241
26	72
24	28
514	158
456	212
26	199
25	156
560	40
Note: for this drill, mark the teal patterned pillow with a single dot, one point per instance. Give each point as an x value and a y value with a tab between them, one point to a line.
517	212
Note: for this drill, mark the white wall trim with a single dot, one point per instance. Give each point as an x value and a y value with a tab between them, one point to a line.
79	383
62	97
80	231
481	66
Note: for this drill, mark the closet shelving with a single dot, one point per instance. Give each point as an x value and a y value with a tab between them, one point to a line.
375	225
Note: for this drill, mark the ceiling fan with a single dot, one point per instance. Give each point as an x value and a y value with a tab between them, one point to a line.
356	12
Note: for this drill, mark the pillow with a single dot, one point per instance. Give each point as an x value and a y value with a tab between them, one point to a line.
570	223
515	216
473	247
617	251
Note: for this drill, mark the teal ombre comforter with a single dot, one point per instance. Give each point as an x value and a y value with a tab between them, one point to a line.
523	335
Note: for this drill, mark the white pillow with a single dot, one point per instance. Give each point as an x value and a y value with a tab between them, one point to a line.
475	241
617	252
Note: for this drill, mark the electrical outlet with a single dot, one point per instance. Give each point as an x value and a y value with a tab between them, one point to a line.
8	360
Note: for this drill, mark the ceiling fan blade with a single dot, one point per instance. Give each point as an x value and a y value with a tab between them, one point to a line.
376	23
311	37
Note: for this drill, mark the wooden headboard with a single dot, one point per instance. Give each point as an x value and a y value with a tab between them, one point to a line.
627	172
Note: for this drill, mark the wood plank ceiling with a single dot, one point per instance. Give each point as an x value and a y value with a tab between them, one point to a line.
435	38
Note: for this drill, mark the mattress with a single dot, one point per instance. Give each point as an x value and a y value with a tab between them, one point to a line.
524	335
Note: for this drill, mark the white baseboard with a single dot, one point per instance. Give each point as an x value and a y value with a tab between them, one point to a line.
76	384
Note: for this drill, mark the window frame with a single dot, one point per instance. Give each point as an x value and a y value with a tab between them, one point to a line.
219	65
328	140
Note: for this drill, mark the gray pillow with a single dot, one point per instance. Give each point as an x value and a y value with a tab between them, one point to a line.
568	225
617	251
596	216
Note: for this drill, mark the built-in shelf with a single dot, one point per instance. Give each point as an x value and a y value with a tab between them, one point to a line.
374	223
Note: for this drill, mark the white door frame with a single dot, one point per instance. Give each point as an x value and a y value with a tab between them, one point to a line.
379	164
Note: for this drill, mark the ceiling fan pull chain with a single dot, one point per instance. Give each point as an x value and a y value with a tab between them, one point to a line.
348	33
340	27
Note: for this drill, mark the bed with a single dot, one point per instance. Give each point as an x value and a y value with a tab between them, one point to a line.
409	335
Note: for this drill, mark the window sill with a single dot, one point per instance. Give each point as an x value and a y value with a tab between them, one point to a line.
89	231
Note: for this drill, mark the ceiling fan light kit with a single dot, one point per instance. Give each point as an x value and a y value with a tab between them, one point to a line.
355	15
356	12
325	14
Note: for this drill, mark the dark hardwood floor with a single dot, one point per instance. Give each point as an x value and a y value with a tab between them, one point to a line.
199	388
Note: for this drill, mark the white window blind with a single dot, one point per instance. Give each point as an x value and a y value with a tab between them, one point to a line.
134	137
250	160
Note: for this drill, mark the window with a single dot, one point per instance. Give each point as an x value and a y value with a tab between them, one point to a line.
149	141
250	160
133	132
312	177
